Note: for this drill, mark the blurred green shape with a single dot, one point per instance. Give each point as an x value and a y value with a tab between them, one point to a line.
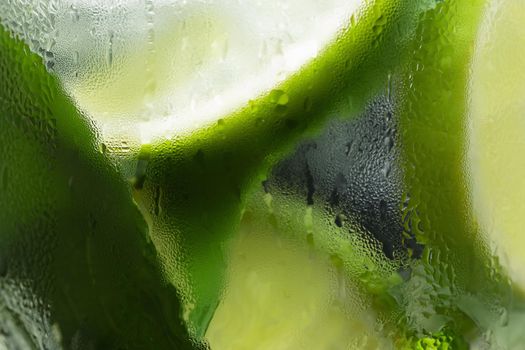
456	284
77	268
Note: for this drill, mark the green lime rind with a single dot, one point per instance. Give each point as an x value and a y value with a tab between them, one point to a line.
457	283
77	267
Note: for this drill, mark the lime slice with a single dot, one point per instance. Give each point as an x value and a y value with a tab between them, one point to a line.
280	296
497	134
290	289
169	64
275	294
466	289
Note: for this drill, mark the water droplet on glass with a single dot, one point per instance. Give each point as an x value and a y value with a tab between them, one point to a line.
102	148
503	316
74	13
124	147
388	141
387	168
157	199
336	261
389	89
307	104
279	97
253	106
310	239
340	220
76	58
349	147
49	60
109	55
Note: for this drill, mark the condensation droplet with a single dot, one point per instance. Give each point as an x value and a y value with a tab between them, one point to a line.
124	147
76	58
389	143
109	54
386	169
349	147
503	316
49	59
75	16
339	220
307	104
102	148
279	97
157	200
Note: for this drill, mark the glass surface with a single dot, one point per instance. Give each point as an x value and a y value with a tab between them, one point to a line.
272	174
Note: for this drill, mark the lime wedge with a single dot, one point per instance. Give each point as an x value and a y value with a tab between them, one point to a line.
280	296
497	134
290	289
446	100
